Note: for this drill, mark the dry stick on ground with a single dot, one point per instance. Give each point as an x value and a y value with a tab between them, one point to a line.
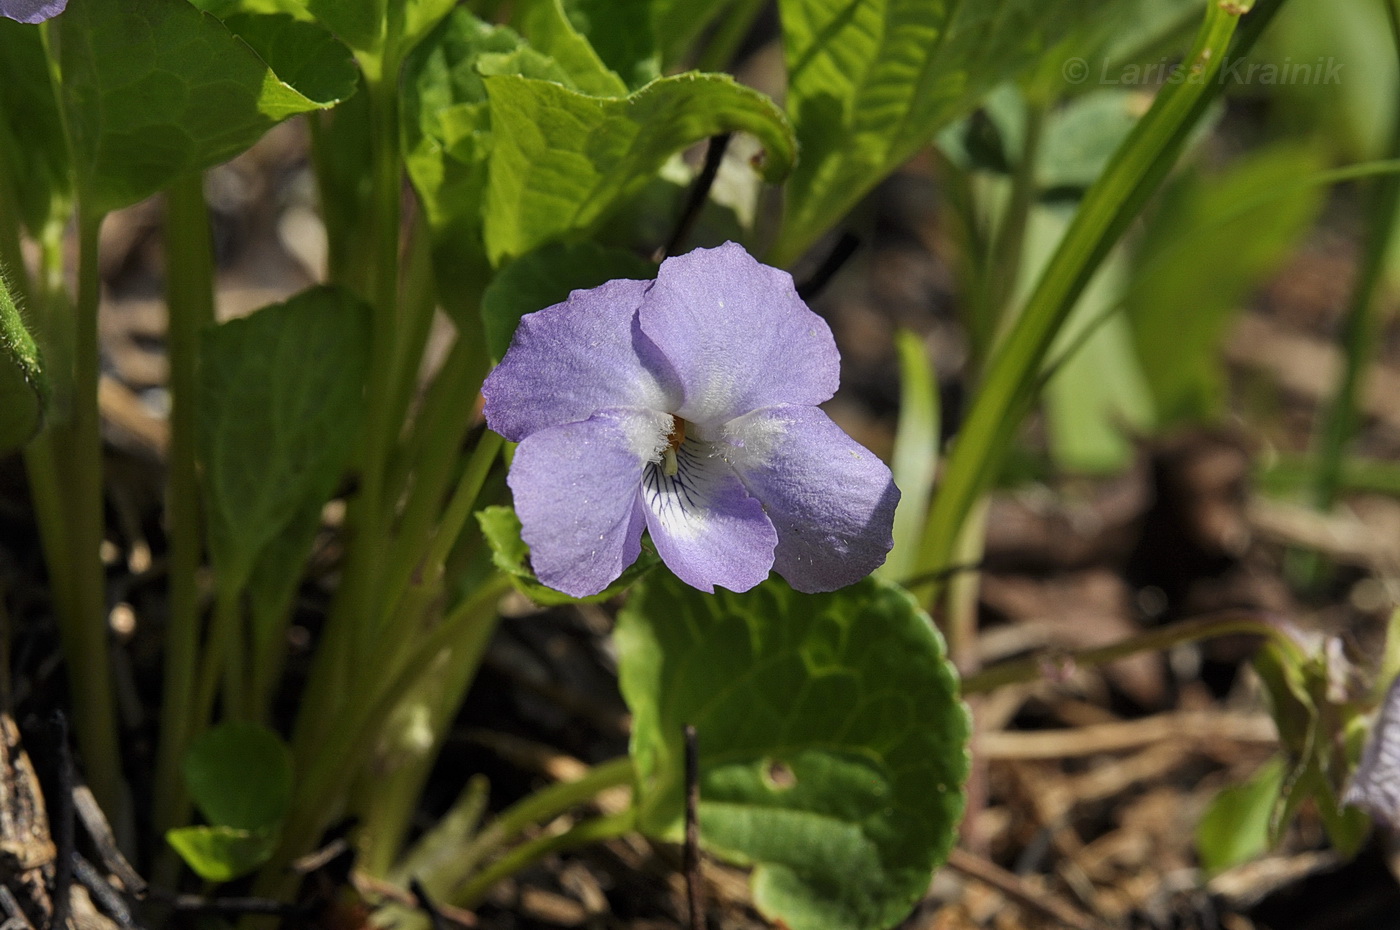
1016	888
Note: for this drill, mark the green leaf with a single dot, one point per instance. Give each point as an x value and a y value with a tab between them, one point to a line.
1208	243
155	89
303	55
916	448
358	23
501	527
240	776
221	854
23	385
562	161
832	744
32	146
550	31
546	277
279	404
447	139
1235	827
870	83
1080	138
1090	428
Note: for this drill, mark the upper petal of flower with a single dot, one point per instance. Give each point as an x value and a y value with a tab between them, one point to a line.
573	359
576	489
706	526
31	11
737	335
831	499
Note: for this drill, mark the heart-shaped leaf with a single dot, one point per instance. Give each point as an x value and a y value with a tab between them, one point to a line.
832	743
240	776
280	398
156	89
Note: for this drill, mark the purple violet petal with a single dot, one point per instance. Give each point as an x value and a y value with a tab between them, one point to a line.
706	527
31	11
1375	786
738	335
831	499
573	359
576	493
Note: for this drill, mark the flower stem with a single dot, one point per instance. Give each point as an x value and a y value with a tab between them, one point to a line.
190	297
1365	317
83	625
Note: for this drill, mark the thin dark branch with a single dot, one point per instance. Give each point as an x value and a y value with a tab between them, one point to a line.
835	260
699	193
426	904
100	832
695	889
102	893
238	907
62	823
15	917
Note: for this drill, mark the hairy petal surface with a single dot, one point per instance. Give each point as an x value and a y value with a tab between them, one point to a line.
706	527
737	335
576	492
573	359
31	11
831	499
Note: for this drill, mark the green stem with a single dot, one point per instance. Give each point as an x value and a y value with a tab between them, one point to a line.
1365	318
538	808
589	831
326	770
218	665
999	285
348	629
1022	671
190	297
391	794
83	626
423	568
1007	390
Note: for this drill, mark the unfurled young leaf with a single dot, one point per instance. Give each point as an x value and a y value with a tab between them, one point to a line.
23	386
561	160
832	743
279	404
156	89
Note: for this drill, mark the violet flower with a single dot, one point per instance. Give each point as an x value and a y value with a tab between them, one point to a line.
31	11
687	405
1375	785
